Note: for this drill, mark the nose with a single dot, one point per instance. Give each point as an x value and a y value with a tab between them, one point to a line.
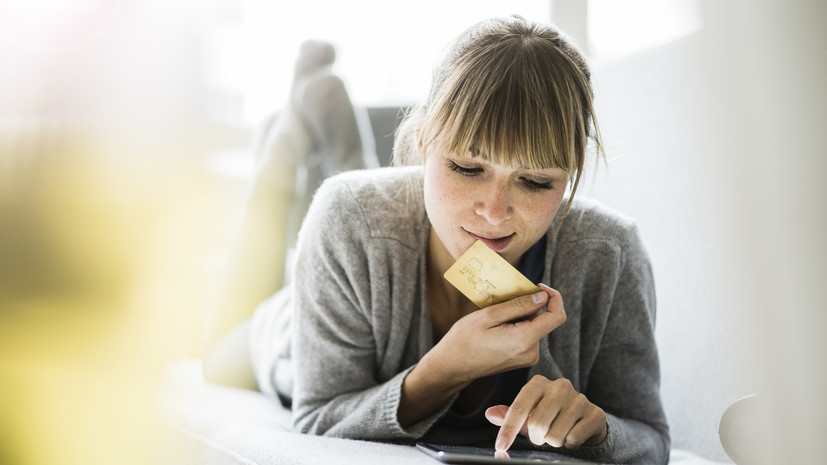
494	202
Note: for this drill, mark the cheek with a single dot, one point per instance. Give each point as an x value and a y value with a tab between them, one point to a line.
441	193
551	205
540	211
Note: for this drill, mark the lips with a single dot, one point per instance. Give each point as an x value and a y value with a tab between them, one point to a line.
495	243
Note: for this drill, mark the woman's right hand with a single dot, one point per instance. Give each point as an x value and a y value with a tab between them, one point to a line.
498	338
495	339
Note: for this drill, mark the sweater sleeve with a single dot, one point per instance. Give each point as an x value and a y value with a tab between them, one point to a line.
625	376
336	389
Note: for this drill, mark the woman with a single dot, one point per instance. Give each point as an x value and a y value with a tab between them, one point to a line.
371	342
384	348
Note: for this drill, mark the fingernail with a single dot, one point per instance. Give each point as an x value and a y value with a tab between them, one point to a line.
538	297
501	444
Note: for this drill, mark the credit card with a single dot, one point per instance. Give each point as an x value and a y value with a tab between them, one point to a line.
486	278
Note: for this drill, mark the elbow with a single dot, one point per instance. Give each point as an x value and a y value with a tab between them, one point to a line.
305	420
317	421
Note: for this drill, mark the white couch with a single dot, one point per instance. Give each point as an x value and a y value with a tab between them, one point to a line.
216	425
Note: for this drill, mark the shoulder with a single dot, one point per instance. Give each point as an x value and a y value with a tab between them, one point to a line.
592	225
590	220
598	253
375	203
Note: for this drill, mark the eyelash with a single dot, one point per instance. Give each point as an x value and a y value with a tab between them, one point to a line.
528	183
537	186
463	170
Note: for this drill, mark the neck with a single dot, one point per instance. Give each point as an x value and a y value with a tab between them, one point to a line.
439	260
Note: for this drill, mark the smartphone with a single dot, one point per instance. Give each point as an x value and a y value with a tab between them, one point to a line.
468	454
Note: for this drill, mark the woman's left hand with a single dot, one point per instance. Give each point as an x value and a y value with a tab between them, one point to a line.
549	412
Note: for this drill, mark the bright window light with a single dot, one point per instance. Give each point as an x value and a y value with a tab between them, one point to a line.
617	29
385	50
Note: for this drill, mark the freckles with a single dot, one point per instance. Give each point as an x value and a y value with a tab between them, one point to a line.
441	195
541	209
448	191
453	195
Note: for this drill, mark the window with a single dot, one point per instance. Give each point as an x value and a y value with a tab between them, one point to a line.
617	29
385	50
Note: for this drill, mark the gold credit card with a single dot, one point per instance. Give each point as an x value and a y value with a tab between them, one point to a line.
486	278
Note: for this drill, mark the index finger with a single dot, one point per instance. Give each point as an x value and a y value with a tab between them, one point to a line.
551	319
516	417
554	308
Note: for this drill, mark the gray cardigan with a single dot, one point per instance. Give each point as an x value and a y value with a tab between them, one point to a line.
362	319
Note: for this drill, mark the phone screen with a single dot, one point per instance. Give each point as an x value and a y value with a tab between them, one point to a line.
471	455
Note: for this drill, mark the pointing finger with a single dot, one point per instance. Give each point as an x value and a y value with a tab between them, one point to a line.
516	416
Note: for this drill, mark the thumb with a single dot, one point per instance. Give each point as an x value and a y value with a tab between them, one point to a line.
496	414
517	308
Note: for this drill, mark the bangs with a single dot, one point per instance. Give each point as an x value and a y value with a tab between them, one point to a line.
518	111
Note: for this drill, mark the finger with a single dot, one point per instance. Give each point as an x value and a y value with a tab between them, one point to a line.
541	419
591	431
512	424
548	289
515	418
517	308
496	414
576	409
555	300
553	317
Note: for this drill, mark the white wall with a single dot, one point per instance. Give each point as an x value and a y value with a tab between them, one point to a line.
717	143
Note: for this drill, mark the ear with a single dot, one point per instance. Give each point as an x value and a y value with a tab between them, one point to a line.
420	144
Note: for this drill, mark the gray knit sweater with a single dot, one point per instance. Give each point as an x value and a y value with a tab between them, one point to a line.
362	319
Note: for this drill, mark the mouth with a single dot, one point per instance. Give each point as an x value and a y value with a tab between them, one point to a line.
495	243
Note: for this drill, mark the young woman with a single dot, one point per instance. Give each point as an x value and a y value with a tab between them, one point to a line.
383	347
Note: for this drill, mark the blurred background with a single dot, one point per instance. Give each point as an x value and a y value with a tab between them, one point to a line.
126	134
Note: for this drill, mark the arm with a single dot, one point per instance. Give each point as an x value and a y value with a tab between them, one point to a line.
337	391
625	376
619	416
353	347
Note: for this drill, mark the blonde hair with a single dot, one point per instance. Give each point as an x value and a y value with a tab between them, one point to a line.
510	91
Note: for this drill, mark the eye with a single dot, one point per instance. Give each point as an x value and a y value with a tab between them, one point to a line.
464	170
537	185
